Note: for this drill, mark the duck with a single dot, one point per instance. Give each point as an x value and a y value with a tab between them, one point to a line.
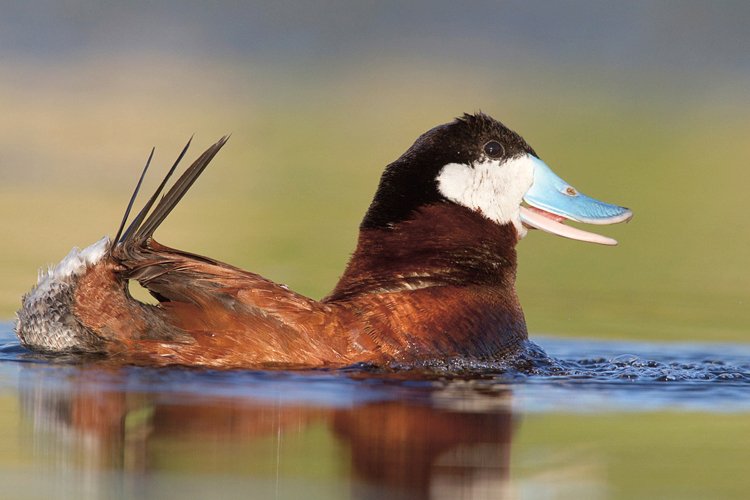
432	277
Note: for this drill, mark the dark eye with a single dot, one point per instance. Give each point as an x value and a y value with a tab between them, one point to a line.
494	149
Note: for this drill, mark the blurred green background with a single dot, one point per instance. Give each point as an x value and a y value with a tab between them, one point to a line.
642	103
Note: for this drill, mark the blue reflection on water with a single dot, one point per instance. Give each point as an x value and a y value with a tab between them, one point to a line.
568	376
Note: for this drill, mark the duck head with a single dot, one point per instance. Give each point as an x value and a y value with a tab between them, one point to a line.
478	163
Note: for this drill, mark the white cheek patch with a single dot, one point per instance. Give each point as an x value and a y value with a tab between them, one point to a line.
492	187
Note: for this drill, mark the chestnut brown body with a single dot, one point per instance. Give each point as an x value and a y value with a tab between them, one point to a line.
439	286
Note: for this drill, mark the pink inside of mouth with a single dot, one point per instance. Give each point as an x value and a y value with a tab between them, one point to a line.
549	215
537	218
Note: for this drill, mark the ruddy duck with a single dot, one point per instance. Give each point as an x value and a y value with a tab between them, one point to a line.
432	277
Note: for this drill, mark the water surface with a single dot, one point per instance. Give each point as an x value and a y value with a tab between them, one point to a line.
585	420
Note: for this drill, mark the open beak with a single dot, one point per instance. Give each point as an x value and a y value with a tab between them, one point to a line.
551	200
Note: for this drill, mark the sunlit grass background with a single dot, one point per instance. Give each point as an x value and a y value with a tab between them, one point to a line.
311	134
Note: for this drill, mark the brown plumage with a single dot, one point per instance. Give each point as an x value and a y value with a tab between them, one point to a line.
405	309
431	279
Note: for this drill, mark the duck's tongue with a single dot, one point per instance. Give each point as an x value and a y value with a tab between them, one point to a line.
551	201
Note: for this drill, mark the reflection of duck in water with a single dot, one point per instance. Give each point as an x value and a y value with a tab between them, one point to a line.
433	275
452	441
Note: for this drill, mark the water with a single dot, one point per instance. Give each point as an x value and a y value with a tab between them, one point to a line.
587	420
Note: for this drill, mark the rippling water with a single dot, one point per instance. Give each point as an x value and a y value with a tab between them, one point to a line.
608	376
96	430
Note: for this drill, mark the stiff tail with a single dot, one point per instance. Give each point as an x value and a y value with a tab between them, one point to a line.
50	320
140	230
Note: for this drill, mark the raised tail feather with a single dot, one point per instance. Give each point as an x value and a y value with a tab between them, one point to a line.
50	318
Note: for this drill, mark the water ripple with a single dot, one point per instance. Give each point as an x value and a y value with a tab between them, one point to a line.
564	376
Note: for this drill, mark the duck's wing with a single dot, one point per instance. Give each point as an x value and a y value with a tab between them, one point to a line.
229	316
